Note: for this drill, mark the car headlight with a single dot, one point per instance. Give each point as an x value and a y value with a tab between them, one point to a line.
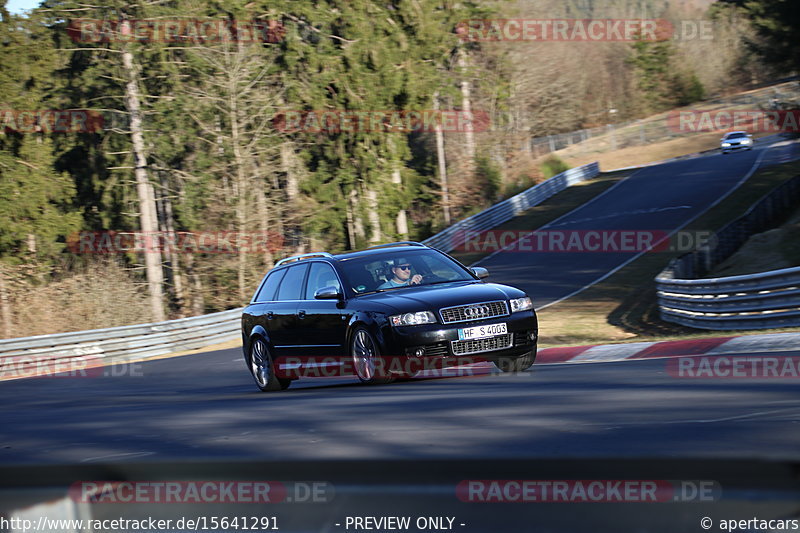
726	144
520	304
746	141
413	319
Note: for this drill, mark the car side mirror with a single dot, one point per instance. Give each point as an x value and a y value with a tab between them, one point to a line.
327	293
480	272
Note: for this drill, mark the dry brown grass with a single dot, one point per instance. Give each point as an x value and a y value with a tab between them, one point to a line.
641	155
101	295
600	148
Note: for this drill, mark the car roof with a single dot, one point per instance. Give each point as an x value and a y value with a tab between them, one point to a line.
735	132
405	246
373	251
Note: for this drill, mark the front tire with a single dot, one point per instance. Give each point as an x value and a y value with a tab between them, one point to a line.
517	364
367	359
263	369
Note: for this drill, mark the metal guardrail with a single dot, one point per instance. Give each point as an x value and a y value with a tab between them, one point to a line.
504	211
753	301
43	354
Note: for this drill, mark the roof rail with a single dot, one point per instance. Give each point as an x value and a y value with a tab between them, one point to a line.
301	257
399	243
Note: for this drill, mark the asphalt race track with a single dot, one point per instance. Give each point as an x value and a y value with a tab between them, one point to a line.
206	406
661	199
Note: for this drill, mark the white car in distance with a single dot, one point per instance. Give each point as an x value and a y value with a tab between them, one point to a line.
736	140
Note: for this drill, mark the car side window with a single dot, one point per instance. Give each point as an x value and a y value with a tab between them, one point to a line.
268	288
320	276
292	284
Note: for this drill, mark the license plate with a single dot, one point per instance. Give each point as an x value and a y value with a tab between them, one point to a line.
482	332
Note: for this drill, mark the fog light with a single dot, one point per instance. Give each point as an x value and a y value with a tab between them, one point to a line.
533	336
419	352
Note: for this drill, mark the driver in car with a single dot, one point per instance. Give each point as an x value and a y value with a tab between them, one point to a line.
401	275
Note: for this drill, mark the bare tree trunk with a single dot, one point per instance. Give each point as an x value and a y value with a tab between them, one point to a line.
287	164
289	167
198	300
373	215
173	257
354	219
144	190
402	218
401	221
440	157
351	225
263	219
466	105
5	307
241	184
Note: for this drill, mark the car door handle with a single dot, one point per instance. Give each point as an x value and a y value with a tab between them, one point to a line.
270	315
301	314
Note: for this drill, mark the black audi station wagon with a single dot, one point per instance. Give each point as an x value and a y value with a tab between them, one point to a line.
383	313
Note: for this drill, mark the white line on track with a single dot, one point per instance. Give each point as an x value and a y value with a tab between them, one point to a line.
133	454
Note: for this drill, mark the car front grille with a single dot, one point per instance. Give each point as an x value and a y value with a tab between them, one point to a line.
468	313
481	345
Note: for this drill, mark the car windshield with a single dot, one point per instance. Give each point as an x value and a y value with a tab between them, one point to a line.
401	269
735	135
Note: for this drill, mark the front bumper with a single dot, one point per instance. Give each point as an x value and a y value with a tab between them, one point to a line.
438	345
736	147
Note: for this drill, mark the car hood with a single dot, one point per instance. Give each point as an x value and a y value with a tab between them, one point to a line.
434	297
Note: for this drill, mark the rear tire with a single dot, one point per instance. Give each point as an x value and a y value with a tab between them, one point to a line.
263	369
517	364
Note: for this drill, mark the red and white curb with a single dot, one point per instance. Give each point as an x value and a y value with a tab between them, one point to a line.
771	343
750	344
